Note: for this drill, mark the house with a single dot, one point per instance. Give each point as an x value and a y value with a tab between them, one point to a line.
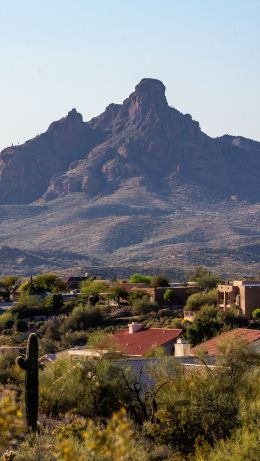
136	341
244	294
73	283
211	347
181	292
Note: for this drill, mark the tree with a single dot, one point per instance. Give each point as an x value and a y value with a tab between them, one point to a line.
42	283
159	281
93	287
204	278
6	285
209	321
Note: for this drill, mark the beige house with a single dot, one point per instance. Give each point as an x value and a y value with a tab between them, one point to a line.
244	294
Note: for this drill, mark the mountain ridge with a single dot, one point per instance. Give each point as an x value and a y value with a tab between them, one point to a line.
142	137
138	184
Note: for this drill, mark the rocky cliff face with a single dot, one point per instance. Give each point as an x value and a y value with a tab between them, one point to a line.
26	170
144	142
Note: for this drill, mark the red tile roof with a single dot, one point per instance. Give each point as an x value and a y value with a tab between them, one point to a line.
145	340
238	334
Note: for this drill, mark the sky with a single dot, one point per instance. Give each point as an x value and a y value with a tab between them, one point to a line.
60	54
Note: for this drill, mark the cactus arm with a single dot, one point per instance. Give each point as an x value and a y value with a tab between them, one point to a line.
21	362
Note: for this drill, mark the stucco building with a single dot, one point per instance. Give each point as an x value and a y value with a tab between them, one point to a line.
244	294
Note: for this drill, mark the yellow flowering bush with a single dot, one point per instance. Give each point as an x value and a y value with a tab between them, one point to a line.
111	443
11	419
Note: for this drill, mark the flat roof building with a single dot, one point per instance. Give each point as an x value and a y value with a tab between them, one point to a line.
243	294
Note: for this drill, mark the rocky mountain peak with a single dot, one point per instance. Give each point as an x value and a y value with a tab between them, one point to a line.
74	115
150	86
141	138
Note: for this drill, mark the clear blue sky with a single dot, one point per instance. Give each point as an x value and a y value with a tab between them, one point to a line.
59	54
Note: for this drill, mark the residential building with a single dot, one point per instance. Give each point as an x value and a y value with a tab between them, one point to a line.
244	294
136	341
238	335
181	292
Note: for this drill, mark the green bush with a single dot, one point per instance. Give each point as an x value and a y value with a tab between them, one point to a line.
54	303
256	314
8	371
88	388
196	300
159	281
144	307
140	278
7	320
209	321
83	317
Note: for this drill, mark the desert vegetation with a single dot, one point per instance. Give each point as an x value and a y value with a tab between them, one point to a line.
55	408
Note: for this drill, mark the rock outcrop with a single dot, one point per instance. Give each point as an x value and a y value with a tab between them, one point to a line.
143	141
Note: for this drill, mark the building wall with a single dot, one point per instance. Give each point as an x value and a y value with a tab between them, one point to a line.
244	296
252	299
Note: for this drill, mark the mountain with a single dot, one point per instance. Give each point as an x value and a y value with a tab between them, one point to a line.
137	183
143	140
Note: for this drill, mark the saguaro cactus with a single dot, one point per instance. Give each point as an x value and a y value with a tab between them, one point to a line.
29	363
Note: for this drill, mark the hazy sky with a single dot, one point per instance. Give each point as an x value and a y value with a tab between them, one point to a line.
59	54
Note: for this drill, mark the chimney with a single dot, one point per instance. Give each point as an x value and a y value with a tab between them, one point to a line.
134	327
182	348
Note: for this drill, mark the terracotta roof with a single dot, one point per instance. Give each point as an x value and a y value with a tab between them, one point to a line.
238	334
145	340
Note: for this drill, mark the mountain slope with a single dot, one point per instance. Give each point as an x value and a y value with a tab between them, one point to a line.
139	185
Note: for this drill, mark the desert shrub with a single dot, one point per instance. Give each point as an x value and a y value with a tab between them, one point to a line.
7	320
73	338
8	371
170	296
37	447
137	294
86	388
20	325
197	300
159	281
144	307
11	420
54	303
68	306
28	306
242	445
209	321
256	314
206	403
234	318
83	317
140	278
